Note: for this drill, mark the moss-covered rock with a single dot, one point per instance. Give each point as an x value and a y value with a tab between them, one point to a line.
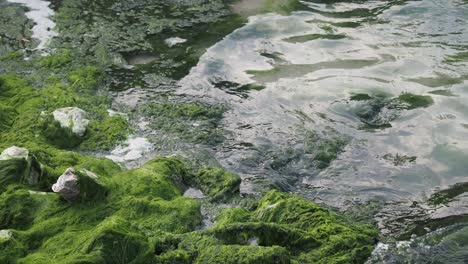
142	217
233	254
217	183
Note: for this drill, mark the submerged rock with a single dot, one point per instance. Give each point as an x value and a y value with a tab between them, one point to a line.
73	118
67	186
174	41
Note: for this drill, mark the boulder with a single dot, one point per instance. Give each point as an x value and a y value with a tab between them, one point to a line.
18	165
14	153
68	186
73	118
5	234
79	185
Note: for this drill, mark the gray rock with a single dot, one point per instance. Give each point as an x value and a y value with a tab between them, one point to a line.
67	185
14	152
5	234
20	166
73	118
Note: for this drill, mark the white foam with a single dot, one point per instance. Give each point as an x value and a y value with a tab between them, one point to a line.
174	41
133	149
40	13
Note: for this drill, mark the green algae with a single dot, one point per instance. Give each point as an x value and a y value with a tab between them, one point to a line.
413	101
26	116
233	254
217	183
444	92
310	37
16	208
15	29
191	121
310	233
238	89
139	216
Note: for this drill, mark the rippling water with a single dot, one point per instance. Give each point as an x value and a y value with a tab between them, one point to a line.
329	76
310	64
312	61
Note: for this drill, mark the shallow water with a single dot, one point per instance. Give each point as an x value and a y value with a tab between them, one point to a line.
329	75
311	62
40	13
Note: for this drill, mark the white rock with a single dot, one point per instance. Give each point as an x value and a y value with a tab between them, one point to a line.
194	193
14	153
73	118
67	185
174	41
5	234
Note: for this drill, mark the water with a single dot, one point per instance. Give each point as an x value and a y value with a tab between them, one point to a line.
40	13
314	107
311	63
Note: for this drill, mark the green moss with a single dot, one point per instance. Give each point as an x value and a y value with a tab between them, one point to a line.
87	77
105	134
339	242
30	122
12	55
111	241
447	195
56	60
139	216
20	170
232	215
234	254
16	208
11	249
7	117
217	183
56	135
413	101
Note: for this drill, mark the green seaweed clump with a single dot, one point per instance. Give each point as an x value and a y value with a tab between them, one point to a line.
284	228
413	101
27	119
140	216
217	183
310	234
